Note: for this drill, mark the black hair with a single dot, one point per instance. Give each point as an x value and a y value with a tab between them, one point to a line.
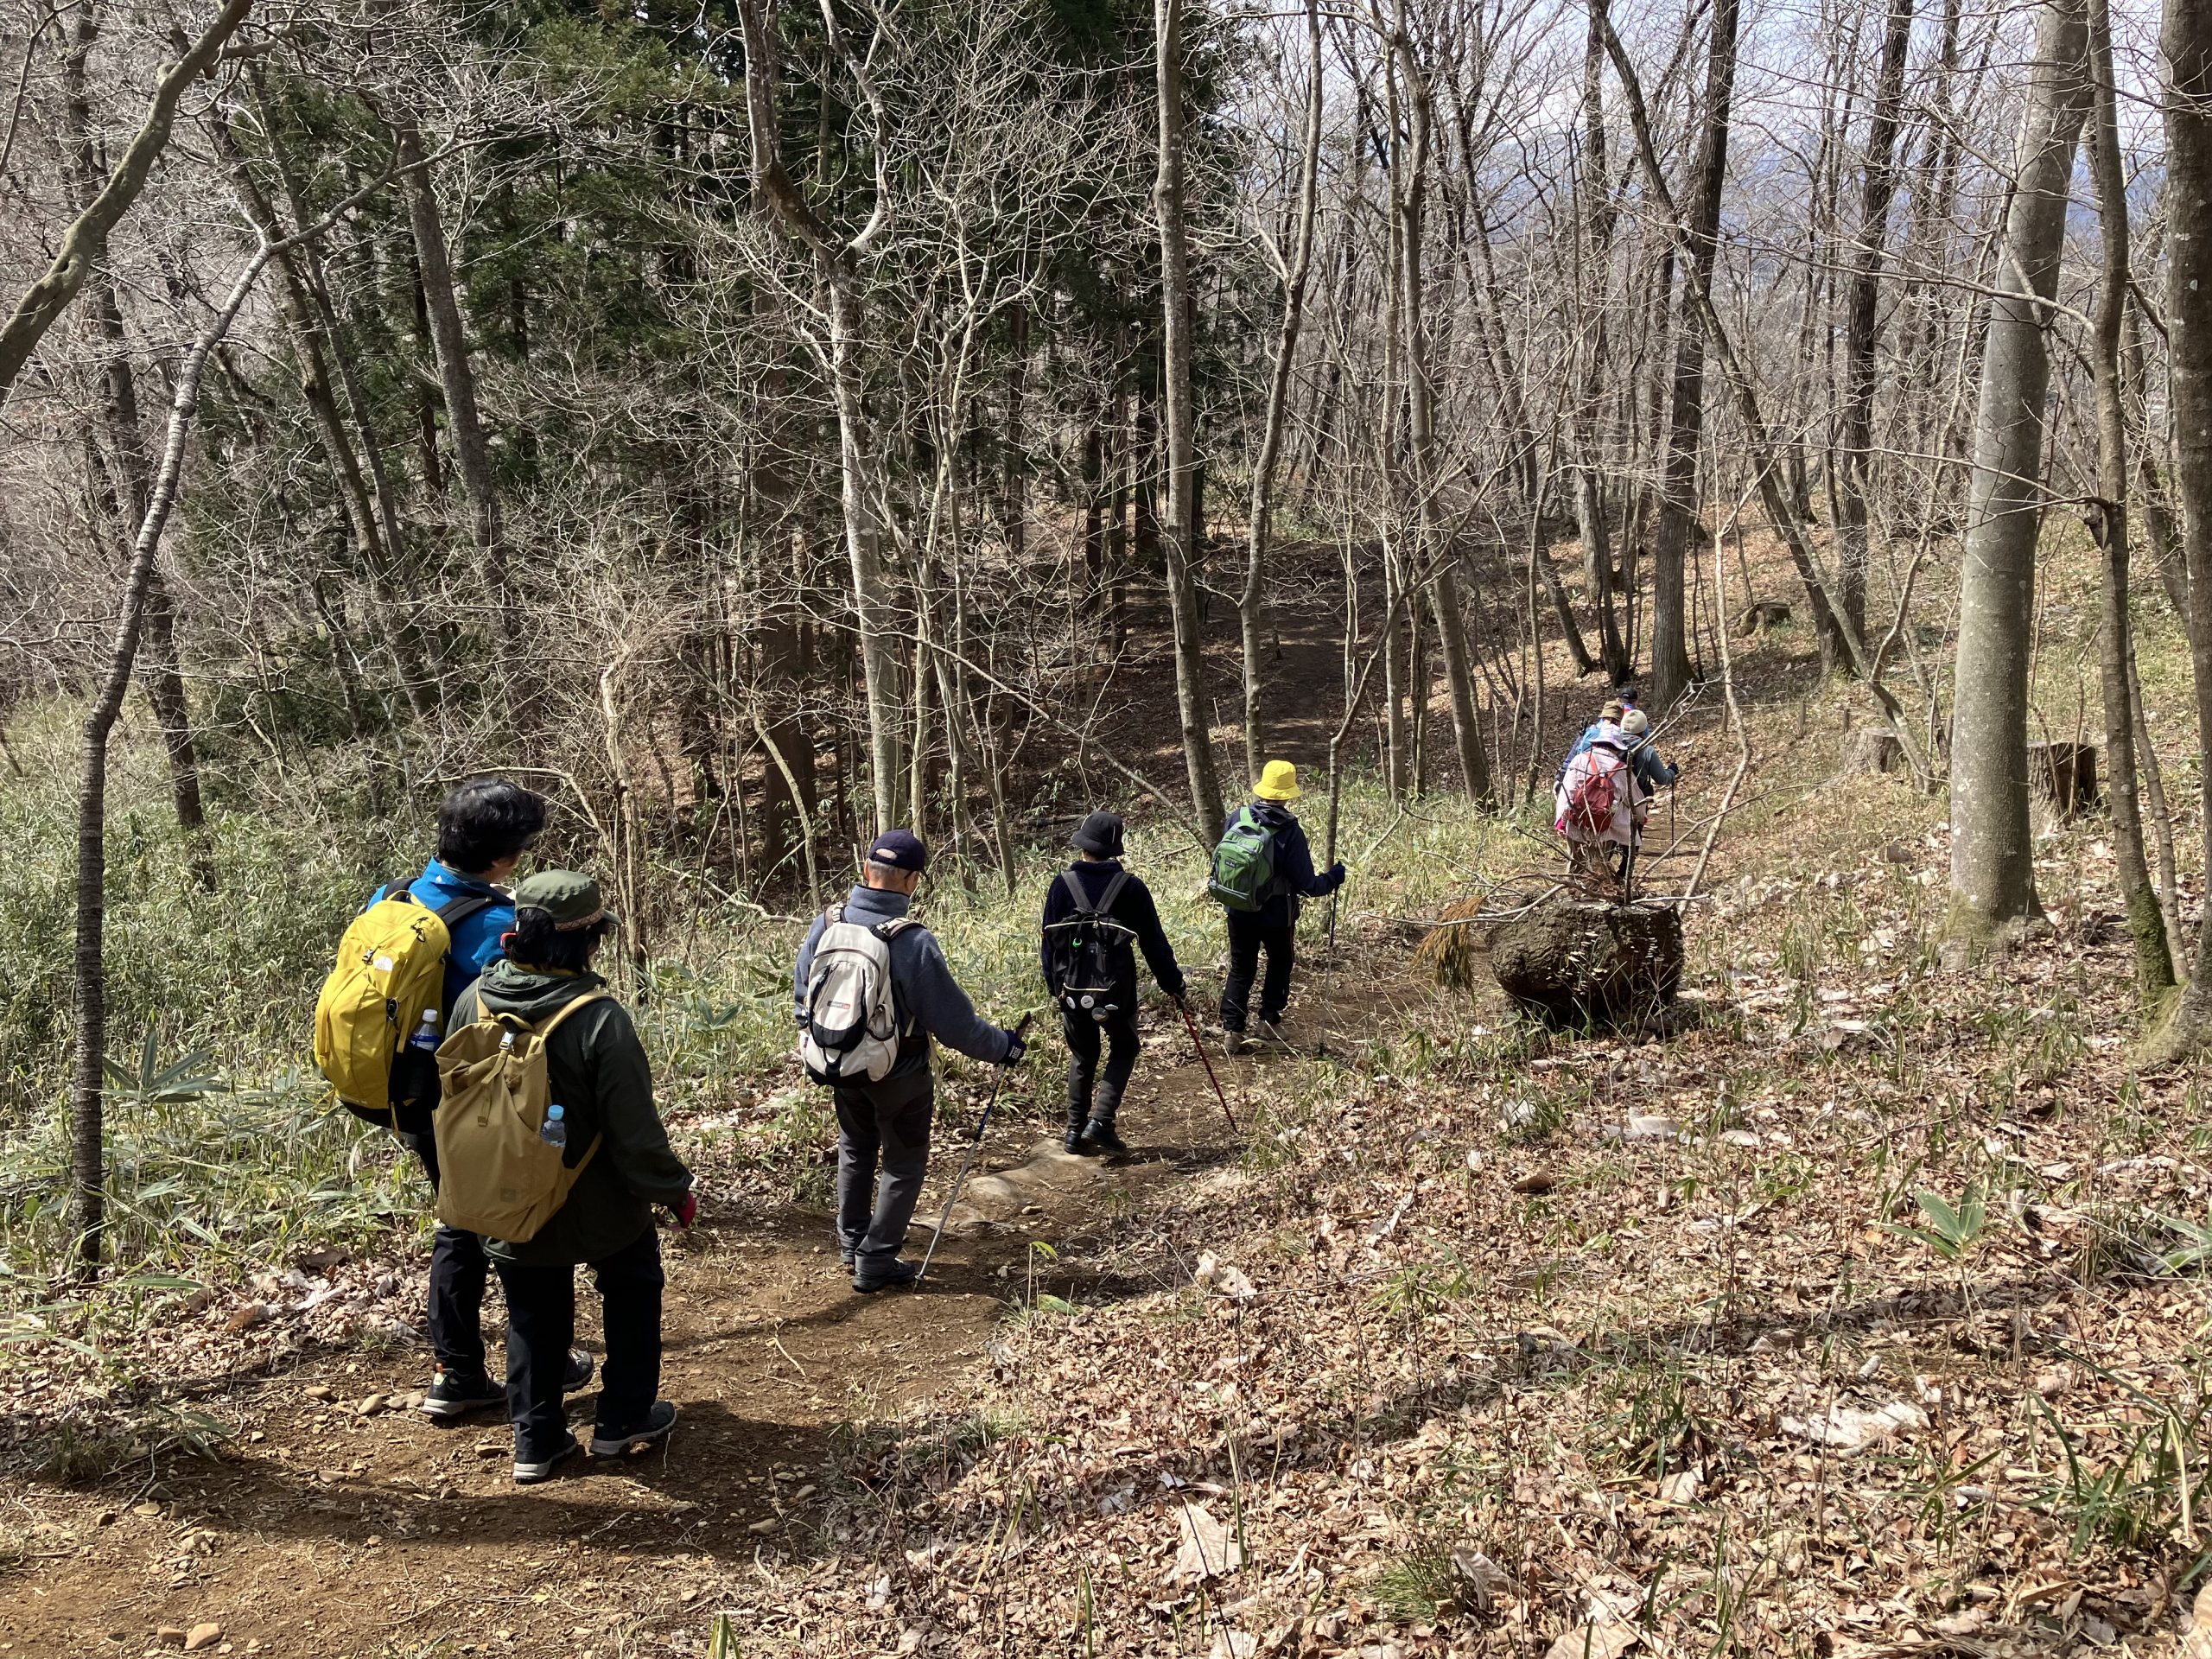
485	820
537	943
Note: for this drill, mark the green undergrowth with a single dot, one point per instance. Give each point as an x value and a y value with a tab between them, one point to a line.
225	1153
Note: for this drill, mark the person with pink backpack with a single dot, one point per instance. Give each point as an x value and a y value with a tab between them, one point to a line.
1604	790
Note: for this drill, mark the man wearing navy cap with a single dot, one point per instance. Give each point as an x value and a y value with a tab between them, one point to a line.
888	1122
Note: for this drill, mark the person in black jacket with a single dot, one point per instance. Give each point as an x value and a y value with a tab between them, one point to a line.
1104	1011
1273	927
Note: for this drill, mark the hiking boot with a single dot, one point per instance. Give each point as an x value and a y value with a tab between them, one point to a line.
450	1396
1078	1114
1271	1032
578	1377
531	1470
620	1443
1098	1136
1235	1042
847	1256
870	1277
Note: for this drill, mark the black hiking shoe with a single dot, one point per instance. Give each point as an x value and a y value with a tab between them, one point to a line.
450	1396
529	1471
1235	1042
620	1443
846	1257
1099	1137
869	1278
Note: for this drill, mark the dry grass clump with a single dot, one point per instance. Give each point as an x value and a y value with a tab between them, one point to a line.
1453	953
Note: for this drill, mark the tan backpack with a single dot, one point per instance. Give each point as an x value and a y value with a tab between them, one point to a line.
498	1176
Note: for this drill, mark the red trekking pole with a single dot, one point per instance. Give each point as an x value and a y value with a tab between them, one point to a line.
1191	1025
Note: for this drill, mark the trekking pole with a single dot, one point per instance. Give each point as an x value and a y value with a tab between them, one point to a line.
968	1162
1191	1025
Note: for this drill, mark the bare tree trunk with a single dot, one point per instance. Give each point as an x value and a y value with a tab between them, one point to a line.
2154	972
1678	510
2186	37
1013	474
416	683
464	423
1855	459
128	466
860	483
1420	437
1597	259
1181	439
1992	857
87	1128
1251	605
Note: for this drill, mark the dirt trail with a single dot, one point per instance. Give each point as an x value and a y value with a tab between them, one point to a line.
326	1532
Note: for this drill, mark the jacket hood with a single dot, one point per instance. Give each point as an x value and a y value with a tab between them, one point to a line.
530	992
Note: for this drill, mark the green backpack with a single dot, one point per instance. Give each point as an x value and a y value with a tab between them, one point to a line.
1244	863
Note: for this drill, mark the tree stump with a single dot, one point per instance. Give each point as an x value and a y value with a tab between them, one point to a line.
1874	749
1760	615
1576	962
2065	774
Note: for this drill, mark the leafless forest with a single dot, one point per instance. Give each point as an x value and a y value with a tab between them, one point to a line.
768	422
756	422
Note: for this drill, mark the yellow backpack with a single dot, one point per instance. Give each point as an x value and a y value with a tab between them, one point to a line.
391	968
498	1175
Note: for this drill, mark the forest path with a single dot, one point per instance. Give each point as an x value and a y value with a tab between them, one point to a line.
327	1530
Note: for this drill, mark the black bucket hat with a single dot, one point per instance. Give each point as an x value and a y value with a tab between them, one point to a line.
1099	835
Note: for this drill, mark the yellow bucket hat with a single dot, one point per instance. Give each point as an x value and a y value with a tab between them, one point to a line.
1278	782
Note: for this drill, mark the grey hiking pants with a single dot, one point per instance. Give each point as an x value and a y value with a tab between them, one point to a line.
884	1123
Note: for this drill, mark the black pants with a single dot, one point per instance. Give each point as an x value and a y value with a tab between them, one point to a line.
884	1123
458	1270
1250	934
542	1328
1093	1094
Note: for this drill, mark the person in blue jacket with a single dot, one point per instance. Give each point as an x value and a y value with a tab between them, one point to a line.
1273	927
1651	771
485	826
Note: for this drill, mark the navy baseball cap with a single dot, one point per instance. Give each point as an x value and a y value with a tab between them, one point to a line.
902	850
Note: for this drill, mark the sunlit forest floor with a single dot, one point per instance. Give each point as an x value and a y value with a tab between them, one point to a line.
1863	1315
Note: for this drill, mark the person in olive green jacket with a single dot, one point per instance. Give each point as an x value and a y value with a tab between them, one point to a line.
599	1077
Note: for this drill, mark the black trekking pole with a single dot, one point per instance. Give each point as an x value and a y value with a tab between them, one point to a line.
968	1162
1191	1025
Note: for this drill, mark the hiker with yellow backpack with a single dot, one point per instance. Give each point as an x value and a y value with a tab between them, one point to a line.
381	1015
553	1154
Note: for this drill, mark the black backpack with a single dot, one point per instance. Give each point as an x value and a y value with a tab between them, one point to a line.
1088	951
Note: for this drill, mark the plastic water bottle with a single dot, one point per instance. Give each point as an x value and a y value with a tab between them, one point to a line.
554	1132
425	1040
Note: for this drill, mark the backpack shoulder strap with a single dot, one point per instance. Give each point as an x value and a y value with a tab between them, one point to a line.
1113	891
568	1009
460	909
834	915
890	929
